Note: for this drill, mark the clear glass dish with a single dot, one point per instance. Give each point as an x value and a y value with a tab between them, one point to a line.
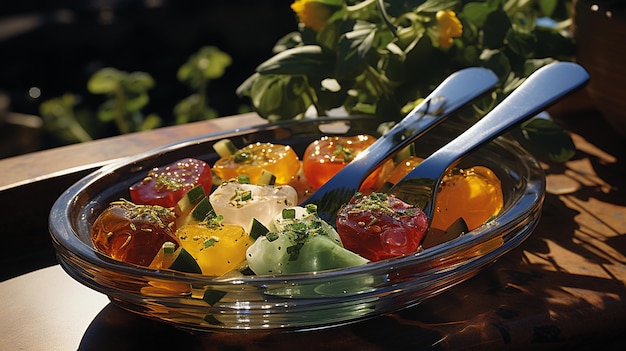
238	303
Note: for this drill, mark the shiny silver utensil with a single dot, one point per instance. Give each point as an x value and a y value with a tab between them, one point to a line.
540	90
453	93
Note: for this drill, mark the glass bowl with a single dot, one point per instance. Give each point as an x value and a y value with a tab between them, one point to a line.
238	303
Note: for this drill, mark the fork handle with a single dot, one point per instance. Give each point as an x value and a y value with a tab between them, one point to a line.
540	90
452	94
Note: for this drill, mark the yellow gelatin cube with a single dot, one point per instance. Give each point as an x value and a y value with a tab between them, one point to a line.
218	248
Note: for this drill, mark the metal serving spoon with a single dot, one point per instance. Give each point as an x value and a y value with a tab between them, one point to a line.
453	93
540	90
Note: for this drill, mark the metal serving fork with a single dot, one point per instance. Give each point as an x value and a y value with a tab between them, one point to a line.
452	94
540	90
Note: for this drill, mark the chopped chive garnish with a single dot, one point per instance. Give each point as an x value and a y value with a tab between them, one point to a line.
243	179
289	213
311	208
209	242
242	156
246	195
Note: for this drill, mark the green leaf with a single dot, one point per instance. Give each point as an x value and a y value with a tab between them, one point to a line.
246	86
289	41
276	97
423	61
329	35
304	60
436	5
107	112
152	121
522	44
546	140
496	28
396	70
60	119
476	13
532	65
496	61
137	102
138	82
547	7
207	63
471	55
185	72
388	109
295	88
550	43
330	2
213	62
193	108
105	81
353	48
511	83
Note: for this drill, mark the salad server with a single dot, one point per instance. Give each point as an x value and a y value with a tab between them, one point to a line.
453	93
541	89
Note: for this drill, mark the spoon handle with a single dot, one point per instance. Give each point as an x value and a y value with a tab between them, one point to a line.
453	93
540	90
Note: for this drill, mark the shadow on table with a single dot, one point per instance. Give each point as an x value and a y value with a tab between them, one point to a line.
115	328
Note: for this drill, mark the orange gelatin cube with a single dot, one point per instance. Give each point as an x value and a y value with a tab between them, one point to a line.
326	156
251	160
474	194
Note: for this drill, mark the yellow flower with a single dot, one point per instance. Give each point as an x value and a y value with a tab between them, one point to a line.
311	13
449	27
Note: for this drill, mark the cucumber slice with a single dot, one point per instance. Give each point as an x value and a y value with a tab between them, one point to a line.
225	148
189	200
266	178
201	212
169	249
257	229
165	256
179	259
184	262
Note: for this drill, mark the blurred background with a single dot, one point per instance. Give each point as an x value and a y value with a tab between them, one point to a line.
49	48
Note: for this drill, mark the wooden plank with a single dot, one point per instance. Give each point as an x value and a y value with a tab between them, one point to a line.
55	162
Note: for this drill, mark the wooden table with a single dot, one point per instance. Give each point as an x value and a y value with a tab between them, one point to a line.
564	288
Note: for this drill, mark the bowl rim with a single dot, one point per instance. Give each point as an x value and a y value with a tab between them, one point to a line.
67	241
65	236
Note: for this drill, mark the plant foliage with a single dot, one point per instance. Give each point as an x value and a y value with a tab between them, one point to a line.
381	58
